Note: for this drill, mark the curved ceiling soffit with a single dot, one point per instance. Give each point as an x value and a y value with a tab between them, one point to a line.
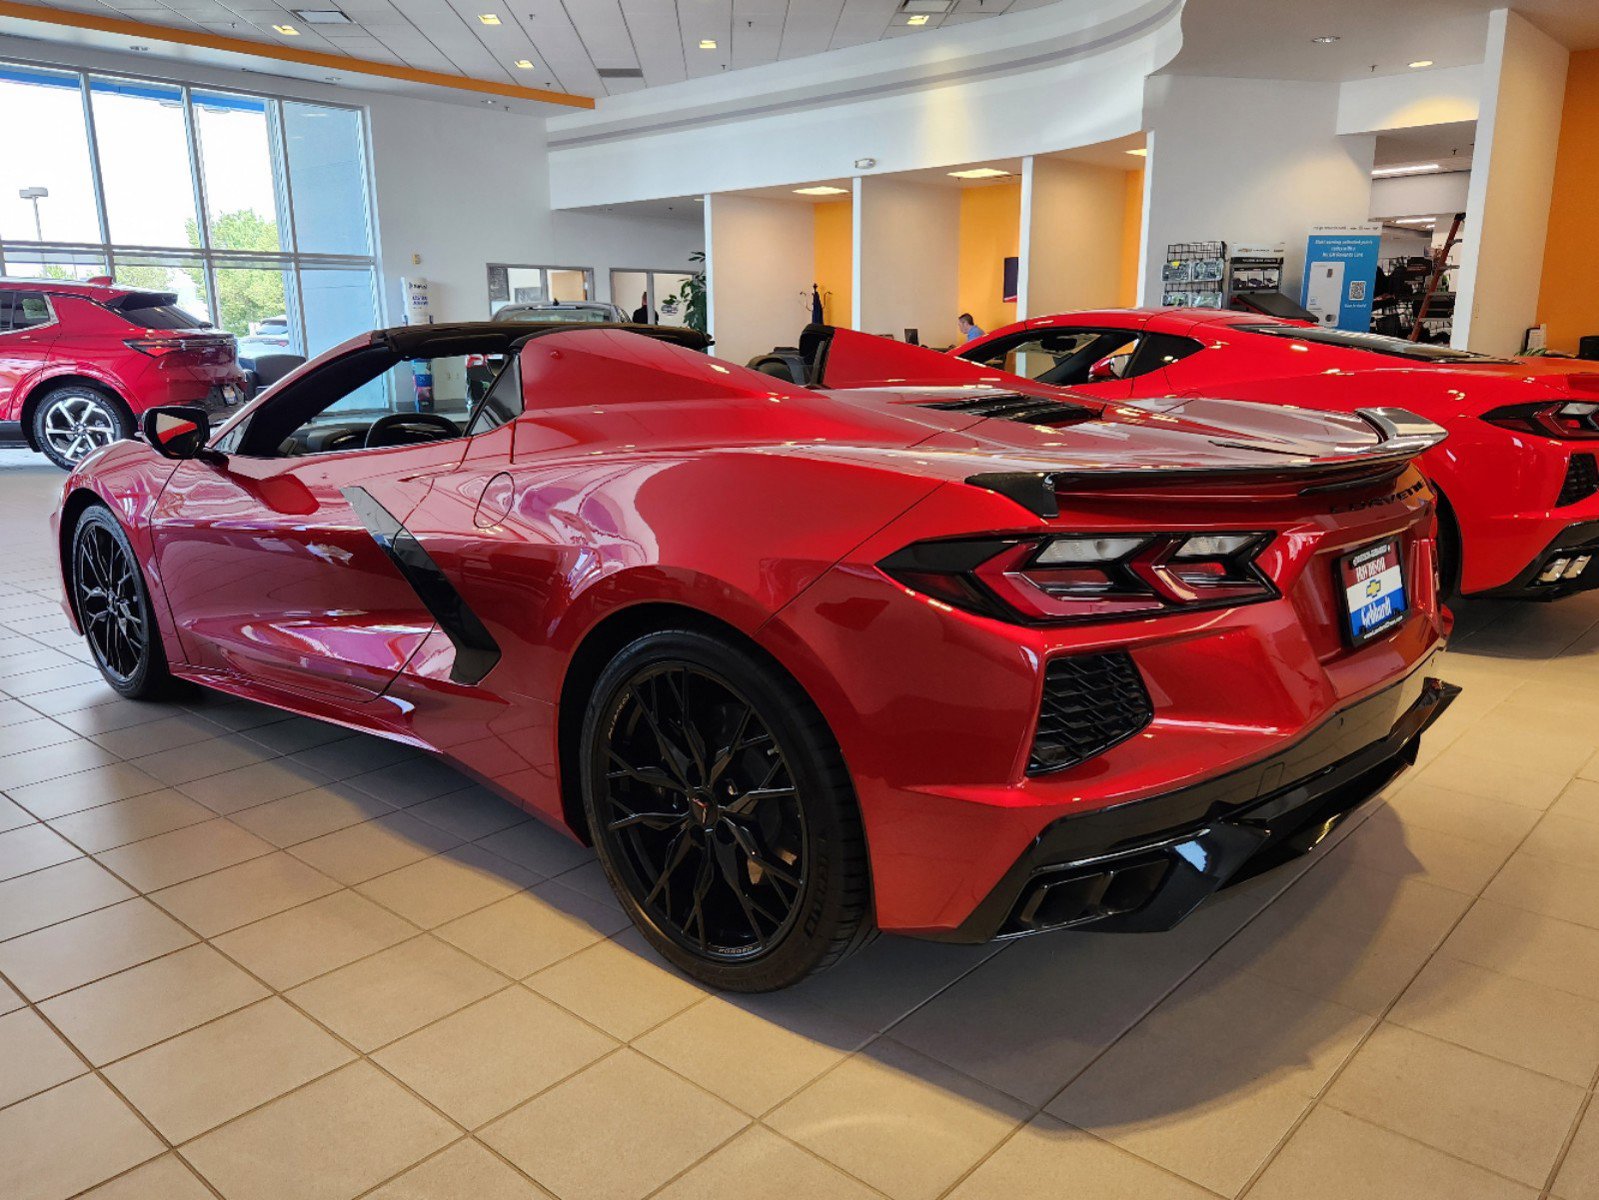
1038	39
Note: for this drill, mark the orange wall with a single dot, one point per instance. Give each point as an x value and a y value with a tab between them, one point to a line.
1132	238
1569	300
991	231
835	259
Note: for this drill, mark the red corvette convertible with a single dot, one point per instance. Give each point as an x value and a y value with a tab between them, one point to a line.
964	662
1518	483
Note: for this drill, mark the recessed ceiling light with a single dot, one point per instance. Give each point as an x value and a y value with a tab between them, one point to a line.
707	43
925	6
489	18
286	30
323	16
1325	39
1420	63
920	19
1417	169
523	64
1415	220
1141	152
979	173
821	189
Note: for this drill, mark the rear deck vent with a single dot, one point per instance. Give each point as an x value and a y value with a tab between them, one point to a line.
1025	410
1582	480
1091	703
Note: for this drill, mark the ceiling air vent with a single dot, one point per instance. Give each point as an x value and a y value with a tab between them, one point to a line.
620	73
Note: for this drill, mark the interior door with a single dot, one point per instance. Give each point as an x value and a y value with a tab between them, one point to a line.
280	570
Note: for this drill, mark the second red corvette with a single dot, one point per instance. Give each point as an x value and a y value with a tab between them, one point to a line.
966	662
1518	477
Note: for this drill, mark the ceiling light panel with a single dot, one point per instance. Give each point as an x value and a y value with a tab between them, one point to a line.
1414	169
323	16
821	189
979	173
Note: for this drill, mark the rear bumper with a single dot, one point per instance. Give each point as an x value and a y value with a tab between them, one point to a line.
1577	541
1145	865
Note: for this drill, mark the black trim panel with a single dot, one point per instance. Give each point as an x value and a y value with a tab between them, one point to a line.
1580	536
11	434
476	651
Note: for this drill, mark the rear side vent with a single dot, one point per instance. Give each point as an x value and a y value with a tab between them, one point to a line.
1582	480
1091	703
1025	410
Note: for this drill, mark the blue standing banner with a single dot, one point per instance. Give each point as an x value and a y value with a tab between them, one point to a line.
1340	275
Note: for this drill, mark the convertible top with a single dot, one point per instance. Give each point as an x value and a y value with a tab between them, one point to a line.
490	337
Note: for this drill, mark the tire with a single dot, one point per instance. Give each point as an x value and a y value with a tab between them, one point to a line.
114	609
74	420
743	892
1449	553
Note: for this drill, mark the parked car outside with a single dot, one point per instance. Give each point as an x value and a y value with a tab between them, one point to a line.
79	363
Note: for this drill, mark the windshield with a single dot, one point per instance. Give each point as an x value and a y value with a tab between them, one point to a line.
584	315
1374	343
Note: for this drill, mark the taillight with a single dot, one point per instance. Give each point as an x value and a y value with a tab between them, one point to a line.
1570	419
155	347
1086	577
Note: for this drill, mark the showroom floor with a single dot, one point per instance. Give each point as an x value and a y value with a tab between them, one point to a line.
258	957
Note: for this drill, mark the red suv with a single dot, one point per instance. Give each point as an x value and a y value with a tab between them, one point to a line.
80	361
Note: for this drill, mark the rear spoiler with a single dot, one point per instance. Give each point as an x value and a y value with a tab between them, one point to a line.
1403	436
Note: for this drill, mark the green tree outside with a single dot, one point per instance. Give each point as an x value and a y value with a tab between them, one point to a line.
244	295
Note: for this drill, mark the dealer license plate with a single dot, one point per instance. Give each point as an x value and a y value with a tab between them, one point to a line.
1373	583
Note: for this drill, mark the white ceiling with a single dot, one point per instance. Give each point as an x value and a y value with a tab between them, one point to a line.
569	41
1271	39
1449	145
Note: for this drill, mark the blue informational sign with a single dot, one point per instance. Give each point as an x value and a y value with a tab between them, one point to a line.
1340	273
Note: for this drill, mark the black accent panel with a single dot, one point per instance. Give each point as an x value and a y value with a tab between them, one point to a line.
476	651
1582	480
1025	410
1091	703
1575	540
1033	490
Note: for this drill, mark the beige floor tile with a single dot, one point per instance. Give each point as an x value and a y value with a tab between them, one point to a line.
310	814
95	708
375	1000
470	813
235	896
1579	801
164	1178
618	984
1334	1156
588	877
89	947
213	1073
184	764
170	858
902	1122
568	1139
236	716
293	946
32	848
252	784
27	735
410	782
1495	822
1044	1153
880	984
355	755
1348	894
73	793
68	1139
538	848
57	893
13	815
35	683
1552	889
1512	780
1579	1173
124	821
448	885
1528	946
294	734
465	1170
1491	1113
531	930
374	847
9	1000
1572	841
151	737
759	1165
1522	1022
534	1044
145	1004
330	1140
1383	843
19	770
34	1057
768	1048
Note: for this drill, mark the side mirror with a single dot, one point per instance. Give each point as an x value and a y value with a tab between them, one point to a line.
1108	369
177	430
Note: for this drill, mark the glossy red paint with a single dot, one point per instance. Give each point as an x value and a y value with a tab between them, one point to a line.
646	484
1501	485
85	339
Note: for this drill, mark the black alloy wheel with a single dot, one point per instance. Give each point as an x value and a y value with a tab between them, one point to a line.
722	813
113	607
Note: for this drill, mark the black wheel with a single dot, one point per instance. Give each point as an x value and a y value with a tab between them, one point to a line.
1449	552
723	814
74	420
114	608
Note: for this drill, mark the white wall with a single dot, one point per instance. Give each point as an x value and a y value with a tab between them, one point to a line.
1072	238
1419	195
907	259
1249	160
1437	97
762	260
1512	182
